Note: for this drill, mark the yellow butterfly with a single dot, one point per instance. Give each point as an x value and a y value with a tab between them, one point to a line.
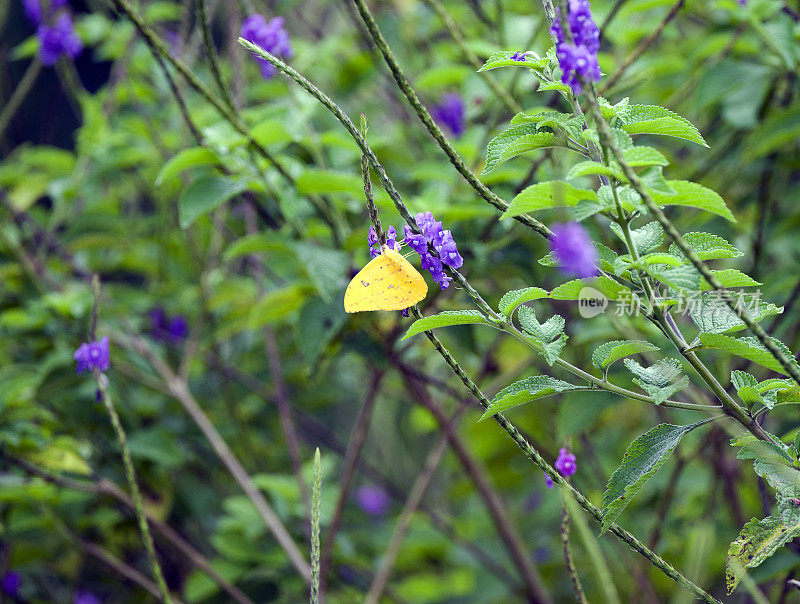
388	282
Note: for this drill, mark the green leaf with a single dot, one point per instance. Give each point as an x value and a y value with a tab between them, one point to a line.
515	141
780	128
712	314
276	305
503	59
325	267
586	168
511	300
552	194
747	388
646	238
446	319
606	354
707	247
638	157
652	119
658	380
571	290
691	194
188	158
269	132
315	180
318	323
678	277
524	391
757	541
730	277
747	348
204	194
642	459
549	335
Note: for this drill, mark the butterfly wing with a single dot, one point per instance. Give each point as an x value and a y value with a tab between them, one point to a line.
388	282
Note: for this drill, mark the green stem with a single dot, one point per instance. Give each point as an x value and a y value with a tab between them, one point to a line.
431	126
202	16
20	92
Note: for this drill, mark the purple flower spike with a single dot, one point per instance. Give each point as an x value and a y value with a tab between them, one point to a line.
579	58
391	241
566	463
10	583
574	250
269	35
518	56
548	482
449	112
448	251
373	500
93	355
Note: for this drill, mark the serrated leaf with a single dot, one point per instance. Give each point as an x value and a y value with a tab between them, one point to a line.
645	239
747	388
446	319
606	354
549	335
712	314
691	194
677	277
757	541
571	290
652	119
515	141
511	300
660	394
524	391
639	157
707	247
662	373
552	194
642	459
204	194
747	348
730	277
586	168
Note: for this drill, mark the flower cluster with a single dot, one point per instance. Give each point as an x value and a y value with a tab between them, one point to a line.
449	112
579	58
172	330
93	355
372	240
441	240
269	35
55	30
566	465
574	250
373	500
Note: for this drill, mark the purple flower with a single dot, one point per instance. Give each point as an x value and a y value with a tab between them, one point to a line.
416	241
373	500
58	39
372	240
579	58
449	112
404	312
172	330
93	355
548	482
574	250
269	35
86	597
518	56
448	250
441	240
10	583
566	463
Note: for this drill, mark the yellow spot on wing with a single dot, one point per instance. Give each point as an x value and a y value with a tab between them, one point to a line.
388	282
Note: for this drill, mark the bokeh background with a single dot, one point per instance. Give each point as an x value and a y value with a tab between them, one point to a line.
244	307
